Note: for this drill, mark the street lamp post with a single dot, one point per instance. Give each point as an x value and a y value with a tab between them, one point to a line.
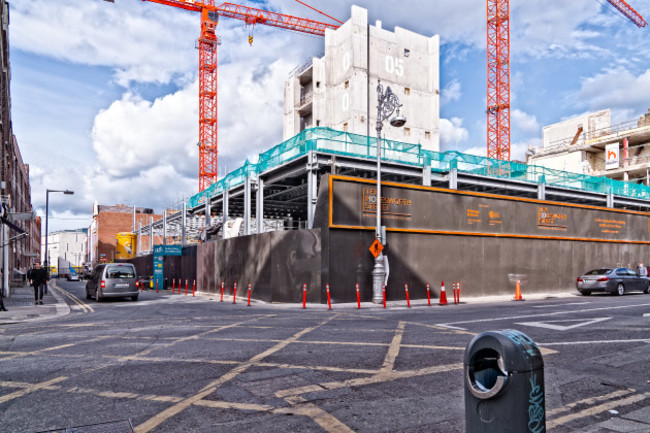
46	262
387	103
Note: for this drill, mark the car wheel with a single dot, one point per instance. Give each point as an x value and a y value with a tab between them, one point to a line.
647	289
620	289
585	292
134	298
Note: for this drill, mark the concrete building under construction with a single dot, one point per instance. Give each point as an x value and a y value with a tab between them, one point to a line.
338	90
590	144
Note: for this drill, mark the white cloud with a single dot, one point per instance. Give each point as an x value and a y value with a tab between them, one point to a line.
524	121
452	133
615	88
451	92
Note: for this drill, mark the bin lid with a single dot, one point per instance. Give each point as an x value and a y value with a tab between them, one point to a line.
516	350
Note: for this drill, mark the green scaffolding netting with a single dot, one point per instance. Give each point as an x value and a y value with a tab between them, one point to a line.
327	140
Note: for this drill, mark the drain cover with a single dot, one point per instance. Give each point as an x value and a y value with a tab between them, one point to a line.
107	427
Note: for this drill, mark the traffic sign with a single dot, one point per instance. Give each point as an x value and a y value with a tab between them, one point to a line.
376	248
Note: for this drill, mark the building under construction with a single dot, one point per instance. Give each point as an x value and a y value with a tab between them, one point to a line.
304	212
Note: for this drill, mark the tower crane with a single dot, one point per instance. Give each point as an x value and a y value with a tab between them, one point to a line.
498	72
207	43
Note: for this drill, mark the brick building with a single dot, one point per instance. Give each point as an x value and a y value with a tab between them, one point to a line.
108	221
20	250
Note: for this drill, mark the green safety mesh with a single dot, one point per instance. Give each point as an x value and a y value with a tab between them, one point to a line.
327	140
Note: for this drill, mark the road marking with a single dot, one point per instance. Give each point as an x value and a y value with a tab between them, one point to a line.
576	323
646	315
597	409
555	313
393	349
571	343
25	391
589	401
560	305
84	306
163	416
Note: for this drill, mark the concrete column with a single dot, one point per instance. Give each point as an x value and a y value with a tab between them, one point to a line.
165	227
208	210
426	176
183	223
312	188
247	205
453	178
226	196
259	216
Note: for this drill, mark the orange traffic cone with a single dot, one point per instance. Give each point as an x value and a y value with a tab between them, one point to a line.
443	294
518	293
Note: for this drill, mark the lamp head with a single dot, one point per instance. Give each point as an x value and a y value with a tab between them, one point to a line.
398	121
68	192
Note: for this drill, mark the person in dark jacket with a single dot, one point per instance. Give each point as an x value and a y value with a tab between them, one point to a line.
2	304
38	279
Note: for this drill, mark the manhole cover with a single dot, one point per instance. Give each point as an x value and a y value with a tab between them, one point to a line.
108	427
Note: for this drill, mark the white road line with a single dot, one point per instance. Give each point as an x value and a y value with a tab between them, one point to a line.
556	326
571	343
561	305
556	313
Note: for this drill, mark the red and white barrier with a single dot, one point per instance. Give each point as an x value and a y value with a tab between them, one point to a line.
234	293
186	287
304	296
222	284
408	300
329	301
249	294
194	288
358	298
428	295
383	290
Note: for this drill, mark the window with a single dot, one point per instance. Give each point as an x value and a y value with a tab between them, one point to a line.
407	90
345	126
120	272
363	119
407	132
407	52
347	84
317	122
427	135
317	84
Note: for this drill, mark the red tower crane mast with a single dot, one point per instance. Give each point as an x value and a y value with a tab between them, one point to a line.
208	42
498	72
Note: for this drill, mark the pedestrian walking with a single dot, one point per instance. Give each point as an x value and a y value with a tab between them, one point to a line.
642	270
2	292
38	279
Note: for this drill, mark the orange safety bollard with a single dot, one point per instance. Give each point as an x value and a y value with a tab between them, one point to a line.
156	285
443	294
383	290
193	288
234	293
304	296
454	289
329	301
458	291
221	300
358	298
249	294
428	295
408	300
173	286
186	287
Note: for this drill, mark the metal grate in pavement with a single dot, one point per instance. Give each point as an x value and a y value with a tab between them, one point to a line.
108	427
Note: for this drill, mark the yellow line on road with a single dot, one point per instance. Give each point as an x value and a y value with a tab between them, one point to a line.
589	401
393	349
84	306
163	416
25	391
597	409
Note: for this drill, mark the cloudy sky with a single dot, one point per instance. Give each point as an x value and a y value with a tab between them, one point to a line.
104	95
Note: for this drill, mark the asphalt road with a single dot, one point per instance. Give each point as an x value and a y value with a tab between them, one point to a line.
175	363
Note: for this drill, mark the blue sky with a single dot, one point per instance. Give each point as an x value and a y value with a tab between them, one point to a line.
104	95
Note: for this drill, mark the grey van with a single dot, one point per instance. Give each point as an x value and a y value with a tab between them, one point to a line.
112	280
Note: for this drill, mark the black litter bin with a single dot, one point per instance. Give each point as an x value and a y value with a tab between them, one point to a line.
504	384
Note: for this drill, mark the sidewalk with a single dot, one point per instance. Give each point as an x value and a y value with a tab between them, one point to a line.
20	305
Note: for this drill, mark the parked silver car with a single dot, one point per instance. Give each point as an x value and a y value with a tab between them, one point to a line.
112	280
616	281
